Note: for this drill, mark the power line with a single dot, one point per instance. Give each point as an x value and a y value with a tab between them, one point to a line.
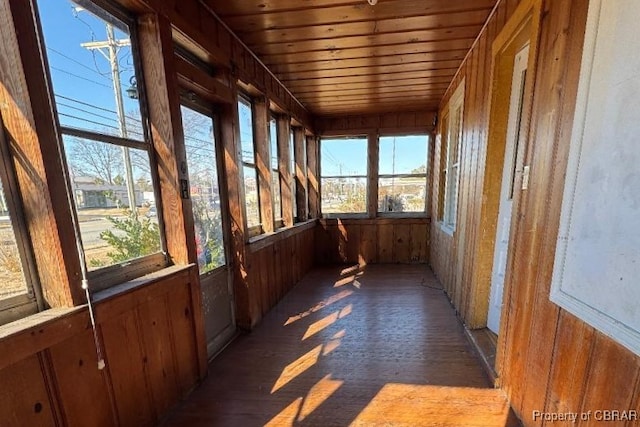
98	123
78	63
95	106
86	120
80	77
87	112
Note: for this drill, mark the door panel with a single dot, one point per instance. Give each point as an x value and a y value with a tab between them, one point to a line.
210	227
506	190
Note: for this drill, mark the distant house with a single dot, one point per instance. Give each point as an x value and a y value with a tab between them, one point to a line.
90	193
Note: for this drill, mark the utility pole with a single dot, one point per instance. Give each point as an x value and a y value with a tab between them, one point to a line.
111	45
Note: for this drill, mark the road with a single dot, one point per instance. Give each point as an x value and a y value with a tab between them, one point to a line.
91	229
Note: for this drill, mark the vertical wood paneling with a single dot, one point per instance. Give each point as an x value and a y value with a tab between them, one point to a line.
276	267
571	361
24	399
385	243
402	243
548	360
612	368
127	368
368	243
419	243
80	384
149	344
371	241
406	122
184	347
158	356
453	257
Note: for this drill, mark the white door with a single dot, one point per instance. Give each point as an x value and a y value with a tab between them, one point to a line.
506	190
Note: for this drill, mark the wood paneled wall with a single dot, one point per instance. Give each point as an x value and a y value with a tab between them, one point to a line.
453	256
548	360
49	372
551	360
372	241
274	264
388	123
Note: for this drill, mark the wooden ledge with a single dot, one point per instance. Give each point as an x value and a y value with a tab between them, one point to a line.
264	240
376	221
35	333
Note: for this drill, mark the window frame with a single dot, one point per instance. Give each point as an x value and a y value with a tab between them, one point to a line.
292	172
197	104
407	214
334	215
275	172
109	276
442	169
255	230
455	130
31	302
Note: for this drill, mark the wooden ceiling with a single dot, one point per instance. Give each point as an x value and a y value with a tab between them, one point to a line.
348	57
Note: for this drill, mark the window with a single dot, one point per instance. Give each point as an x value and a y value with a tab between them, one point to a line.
292	156
344	175
444	142
109	159
452	173
19	289
275	172
249	169
199	141
402	173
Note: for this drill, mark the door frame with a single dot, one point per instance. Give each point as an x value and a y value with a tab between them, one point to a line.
199	104
522	27
519	75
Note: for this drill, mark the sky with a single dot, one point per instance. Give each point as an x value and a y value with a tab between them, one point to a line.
348	156
82	78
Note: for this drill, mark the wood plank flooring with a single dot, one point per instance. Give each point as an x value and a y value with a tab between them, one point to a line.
379	346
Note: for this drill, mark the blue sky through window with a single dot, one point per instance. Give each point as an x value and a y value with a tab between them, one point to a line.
82	78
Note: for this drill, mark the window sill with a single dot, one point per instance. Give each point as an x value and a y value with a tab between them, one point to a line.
363	215
140	282
403	215
29	335
262	241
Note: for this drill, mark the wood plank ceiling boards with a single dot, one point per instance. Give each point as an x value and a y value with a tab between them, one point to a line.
349	57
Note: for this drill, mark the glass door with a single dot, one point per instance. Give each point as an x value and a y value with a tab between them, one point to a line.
208	198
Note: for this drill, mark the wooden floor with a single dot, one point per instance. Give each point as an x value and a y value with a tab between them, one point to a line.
380	346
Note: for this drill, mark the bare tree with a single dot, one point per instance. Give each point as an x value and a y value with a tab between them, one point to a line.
103	162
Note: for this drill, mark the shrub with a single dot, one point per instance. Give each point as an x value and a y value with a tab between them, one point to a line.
139	237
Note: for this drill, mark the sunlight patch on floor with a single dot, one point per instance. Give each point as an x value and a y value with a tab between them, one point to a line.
318	394
297	367
426	405
287	415
319	306
327	321
334	342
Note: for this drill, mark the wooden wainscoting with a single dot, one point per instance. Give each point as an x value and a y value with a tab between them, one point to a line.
372	241
274	264
154	357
